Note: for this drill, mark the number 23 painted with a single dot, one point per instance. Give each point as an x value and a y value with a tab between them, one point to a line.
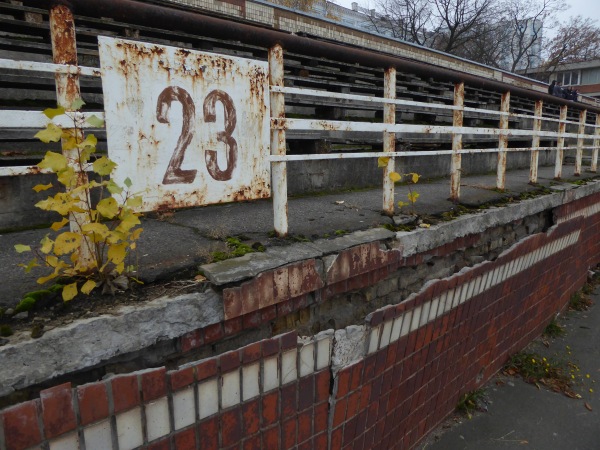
175	174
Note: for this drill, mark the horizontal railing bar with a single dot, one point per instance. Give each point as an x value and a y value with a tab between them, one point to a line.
319	156
36	119
25	170
338	125
49	67
383	101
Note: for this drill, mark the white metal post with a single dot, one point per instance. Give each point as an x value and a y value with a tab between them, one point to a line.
457	121
389	140
535	142
278	168
64	51
580	133
560	144
594	165
503	141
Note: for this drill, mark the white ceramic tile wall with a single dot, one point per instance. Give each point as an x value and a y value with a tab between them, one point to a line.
289	371
67	442
184	409
230	391
270	374
208	398
129	429
97	436
157	418
250	381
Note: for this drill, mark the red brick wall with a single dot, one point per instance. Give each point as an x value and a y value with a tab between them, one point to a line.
420	356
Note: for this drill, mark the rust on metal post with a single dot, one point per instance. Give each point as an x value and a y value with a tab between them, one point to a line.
279	168
535	142
503	141
594	164
389	140
456	161
64	51
580	132
560	144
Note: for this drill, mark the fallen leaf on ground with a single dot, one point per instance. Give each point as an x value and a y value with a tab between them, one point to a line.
588	406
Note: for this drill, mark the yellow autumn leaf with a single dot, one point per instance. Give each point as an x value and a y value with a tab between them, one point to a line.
412	196
415	177
20	248
62	203
135	234
51	133
98	229
30	265
67	177
77	104
69	292
116	236
134	202
103	166
89	141
51	113
88	286
53	161
108	207
113	187
69	143
66	242
42	187
402	204
395	177
95	121
128	221
58	225
43	280
120	268
47	244
382	161
117	252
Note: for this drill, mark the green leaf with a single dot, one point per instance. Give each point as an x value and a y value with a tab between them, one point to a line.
77	104
127	182
69	292
51	133
108	207
53	161
95	121
51	113
113	187
30	265
413	196
382	161
20	248
103	166
134	202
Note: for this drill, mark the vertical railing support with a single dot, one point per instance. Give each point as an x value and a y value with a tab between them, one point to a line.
389	140
594	164
560	144
580	133
535	142
64	51
278	168
457	121
503	141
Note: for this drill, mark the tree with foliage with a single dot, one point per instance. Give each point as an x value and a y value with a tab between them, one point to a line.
576	40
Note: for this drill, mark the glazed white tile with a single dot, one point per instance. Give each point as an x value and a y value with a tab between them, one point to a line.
396	328
323	353
386	334
416	317
373	340
157	418
66	442
184	410
208	398
425	307
406	322
270	374
230	389
97	436
129	429
251	381
289	371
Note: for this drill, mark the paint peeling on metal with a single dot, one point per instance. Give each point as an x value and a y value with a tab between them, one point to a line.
192	126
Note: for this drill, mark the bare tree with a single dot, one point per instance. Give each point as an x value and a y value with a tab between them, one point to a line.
525	20
577	40
409	20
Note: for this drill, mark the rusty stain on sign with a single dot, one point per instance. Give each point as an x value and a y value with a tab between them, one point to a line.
188	128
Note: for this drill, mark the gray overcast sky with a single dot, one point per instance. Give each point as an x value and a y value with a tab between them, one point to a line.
585	8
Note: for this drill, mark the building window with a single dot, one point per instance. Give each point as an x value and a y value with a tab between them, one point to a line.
568	78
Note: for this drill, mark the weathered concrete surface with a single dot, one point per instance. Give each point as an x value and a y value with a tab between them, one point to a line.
87	342
348	346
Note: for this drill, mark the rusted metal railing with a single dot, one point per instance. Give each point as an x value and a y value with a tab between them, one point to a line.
67	75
